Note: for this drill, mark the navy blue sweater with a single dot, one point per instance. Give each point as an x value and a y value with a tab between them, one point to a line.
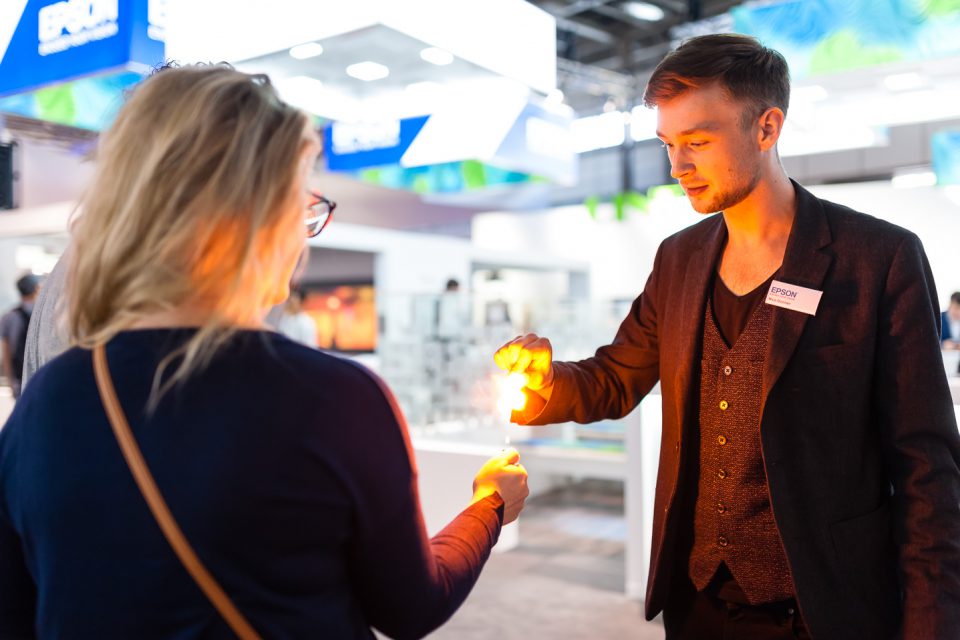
289	470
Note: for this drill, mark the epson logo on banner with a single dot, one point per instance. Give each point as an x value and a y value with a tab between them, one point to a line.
74	23
157	20
366	136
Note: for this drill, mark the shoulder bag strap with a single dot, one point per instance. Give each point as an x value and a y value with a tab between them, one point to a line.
171	531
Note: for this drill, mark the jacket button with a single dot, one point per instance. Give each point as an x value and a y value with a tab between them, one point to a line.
722	541
727	370
721	440
723	405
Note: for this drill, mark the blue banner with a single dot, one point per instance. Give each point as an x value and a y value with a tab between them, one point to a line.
350	146
45	42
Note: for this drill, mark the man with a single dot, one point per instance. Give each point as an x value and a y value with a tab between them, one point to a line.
808	482
950	324
13	331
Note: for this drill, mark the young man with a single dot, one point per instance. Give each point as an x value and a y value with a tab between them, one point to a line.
13	332
808	482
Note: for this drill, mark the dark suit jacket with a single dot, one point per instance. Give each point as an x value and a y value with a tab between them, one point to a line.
858	434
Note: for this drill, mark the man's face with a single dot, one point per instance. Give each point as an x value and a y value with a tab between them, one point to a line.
715	159
953	311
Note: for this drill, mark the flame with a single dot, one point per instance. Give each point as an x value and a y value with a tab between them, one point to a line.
512	397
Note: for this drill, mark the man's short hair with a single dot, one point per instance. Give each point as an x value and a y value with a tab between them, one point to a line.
745	69
27	285
955	298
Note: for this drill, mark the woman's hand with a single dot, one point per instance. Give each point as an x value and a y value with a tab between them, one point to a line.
505	475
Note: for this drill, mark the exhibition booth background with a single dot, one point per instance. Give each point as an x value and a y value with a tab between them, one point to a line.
562	255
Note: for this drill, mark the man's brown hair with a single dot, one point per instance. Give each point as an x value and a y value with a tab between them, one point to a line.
747	71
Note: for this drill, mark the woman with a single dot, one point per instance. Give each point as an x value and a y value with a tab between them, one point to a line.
288	471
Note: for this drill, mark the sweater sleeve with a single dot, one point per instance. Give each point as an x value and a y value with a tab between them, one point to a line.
408	584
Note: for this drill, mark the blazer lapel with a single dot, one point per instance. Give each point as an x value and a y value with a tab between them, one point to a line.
701	263
806	265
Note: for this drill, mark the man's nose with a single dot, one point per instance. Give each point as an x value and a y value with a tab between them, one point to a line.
679	165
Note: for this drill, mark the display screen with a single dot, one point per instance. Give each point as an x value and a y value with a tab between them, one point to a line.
345	315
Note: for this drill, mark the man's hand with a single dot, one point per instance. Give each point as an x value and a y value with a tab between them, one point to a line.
531	355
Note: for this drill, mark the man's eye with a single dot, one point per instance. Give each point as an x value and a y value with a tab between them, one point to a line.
697	145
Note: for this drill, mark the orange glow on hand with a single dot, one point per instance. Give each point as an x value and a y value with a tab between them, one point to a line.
512	397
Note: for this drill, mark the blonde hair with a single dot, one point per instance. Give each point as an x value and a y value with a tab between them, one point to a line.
192	181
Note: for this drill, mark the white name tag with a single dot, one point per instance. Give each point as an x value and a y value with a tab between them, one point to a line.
793	297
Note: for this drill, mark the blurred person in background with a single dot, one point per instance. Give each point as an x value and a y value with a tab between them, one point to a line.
950	324
277	478
13	331
294	322
809	476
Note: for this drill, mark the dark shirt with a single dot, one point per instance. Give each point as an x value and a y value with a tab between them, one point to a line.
289	470
732	312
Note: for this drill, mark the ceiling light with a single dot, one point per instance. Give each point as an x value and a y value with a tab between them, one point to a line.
809	93
306	50
643	11
904	81
368	71
437	56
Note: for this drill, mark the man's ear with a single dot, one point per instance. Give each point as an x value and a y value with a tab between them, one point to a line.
771	126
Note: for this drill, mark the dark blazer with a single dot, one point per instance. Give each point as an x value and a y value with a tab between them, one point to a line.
858	434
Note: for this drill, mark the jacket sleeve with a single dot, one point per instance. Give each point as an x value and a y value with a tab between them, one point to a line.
921	446
614	381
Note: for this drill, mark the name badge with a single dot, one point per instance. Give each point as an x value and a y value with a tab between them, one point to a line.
793	297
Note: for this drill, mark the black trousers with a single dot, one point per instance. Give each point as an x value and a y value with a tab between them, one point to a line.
703	615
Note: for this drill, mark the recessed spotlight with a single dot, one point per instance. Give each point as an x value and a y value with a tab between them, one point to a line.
306	50
643	11
368	71
437	56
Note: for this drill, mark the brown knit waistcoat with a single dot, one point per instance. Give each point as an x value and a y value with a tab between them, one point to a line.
733	522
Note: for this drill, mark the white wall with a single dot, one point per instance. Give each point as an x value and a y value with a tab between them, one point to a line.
620	254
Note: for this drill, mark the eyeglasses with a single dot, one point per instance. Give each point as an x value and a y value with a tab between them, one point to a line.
319	214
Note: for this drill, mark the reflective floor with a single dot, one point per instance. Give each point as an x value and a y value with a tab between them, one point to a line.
564	581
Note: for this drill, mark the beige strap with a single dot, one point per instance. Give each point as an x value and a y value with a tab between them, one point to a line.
141	473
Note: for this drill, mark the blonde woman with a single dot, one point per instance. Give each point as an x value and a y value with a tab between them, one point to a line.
275	490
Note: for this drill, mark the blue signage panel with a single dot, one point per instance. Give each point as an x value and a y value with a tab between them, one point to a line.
44	42
352	146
